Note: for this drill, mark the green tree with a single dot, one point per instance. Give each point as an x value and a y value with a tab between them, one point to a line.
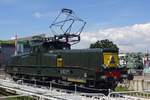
135	61
104	44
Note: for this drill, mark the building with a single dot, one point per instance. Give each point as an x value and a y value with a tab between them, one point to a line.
10	47
6	51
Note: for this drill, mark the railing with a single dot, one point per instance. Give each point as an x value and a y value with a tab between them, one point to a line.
131	95
43	93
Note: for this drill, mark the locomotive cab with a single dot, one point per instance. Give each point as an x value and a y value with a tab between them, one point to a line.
111	71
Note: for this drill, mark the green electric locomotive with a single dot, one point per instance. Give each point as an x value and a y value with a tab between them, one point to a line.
52	60
97	68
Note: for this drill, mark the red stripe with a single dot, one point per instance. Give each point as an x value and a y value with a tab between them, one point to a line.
114	73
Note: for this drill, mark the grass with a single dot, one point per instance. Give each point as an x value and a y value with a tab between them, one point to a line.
120	89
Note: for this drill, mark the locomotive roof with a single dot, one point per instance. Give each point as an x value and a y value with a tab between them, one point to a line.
87	50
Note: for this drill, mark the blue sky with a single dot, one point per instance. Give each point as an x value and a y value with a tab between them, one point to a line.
25	17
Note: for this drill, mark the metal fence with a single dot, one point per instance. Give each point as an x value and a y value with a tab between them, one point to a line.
130	95
17	97
39	93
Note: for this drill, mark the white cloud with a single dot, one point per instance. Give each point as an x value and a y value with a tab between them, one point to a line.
130	38
40	14
37	14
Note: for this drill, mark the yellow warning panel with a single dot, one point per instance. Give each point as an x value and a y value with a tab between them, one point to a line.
59	62
111	59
